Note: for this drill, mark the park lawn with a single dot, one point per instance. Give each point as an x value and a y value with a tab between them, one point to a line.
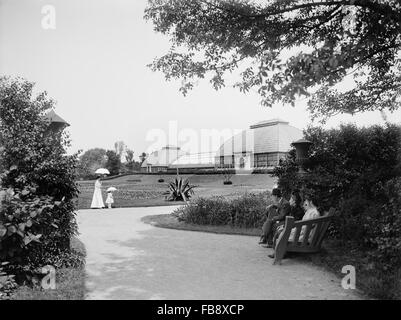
139	190
70	283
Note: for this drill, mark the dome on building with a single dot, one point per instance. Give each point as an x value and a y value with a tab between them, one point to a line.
239	143
262	145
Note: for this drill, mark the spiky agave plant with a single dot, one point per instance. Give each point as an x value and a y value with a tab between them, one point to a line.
179	190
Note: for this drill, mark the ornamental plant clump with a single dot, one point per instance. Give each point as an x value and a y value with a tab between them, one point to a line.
228	173
179	190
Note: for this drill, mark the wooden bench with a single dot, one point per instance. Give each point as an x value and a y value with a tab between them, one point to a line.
305	245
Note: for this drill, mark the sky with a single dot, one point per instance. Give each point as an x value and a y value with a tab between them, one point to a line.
93	63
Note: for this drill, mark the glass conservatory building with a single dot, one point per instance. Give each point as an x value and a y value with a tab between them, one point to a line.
261	146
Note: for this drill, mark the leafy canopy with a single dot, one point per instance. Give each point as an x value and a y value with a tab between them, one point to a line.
90	161
113	163
286	49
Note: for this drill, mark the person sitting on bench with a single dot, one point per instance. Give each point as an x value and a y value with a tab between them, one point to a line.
296	211
275	214
311	212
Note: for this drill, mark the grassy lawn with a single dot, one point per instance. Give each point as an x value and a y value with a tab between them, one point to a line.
144	190
70	283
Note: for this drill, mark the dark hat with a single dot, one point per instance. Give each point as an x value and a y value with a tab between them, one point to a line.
276	192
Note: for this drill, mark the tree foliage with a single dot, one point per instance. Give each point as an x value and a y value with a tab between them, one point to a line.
90	161
129	156
113	163
286	49
130	164
143	157
120	148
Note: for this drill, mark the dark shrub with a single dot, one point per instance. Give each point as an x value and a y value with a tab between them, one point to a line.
357	171
37	211
213	211
247	211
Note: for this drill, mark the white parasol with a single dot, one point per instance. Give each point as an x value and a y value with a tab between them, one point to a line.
102	171
112	189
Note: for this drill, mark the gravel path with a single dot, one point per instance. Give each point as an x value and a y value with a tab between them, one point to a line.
128	259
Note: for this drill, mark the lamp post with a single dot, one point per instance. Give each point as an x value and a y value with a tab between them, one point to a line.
302	147
178	173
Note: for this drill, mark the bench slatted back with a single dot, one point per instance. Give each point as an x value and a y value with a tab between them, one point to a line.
317	241
314	231
306	234
297	233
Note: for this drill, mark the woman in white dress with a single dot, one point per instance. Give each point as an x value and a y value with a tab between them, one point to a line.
97	200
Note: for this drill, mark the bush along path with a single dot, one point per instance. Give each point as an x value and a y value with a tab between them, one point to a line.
357	171
37	186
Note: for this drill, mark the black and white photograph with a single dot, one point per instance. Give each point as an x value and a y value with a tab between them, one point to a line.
200	154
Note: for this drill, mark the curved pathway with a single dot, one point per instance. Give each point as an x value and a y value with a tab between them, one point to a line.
128	259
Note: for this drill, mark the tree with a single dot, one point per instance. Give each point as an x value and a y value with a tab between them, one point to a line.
129	160
334	39
113	163
129	157
120	148
90	161
143	157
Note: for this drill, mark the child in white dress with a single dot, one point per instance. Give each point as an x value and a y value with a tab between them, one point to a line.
109	199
